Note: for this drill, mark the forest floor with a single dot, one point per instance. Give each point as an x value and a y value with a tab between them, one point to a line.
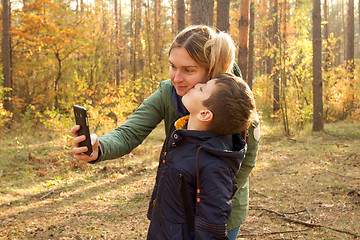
303	187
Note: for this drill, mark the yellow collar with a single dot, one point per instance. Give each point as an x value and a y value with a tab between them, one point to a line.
180	123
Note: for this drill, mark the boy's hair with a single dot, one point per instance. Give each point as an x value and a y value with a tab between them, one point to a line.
215	51
232	104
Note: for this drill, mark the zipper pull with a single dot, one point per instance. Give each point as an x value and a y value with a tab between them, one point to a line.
180	183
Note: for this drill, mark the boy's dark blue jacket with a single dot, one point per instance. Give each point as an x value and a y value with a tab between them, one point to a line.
194	185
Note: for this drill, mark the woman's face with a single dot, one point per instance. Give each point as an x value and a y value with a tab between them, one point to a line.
184	71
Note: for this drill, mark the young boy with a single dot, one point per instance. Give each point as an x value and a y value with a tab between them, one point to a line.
199	161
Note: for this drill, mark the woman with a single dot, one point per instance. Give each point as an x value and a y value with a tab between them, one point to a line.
196	55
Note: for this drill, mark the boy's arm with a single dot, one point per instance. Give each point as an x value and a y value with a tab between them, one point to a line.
214	207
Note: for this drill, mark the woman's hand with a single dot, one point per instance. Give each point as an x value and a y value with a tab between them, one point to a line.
78	151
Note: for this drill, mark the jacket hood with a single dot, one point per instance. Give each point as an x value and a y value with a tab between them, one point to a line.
230	148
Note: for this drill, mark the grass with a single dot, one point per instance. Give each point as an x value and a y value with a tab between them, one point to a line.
43	197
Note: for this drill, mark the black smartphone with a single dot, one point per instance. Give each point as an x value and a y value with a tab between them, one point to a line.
81	119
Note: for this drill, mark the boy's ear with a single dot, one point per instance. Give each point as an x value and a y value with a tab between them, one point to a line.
205	115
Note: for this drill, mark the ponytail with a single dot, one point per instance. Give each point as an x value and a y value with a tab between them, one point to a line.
221	50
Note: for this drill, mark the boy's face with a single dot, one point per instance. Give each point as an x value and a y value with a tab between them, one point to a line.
194	98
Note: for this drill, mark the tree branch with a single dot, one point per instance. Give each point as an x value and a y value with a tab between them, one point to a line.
305	223
271	233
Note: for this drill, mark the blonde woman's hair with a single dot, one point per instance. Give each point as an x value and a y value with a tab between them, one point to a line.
215	51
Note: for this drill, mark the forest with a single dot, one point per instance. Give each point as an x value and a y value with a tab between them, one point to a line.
301	58
110	55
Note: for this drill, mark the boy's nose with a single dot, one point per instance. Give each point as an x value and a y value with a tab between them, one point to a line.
198	85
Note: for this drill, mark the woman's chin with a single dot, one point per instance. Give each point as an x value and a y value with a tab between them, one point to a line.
181	91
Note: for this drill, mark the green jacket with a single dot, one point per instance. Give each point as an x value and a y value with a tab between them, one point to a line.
151	112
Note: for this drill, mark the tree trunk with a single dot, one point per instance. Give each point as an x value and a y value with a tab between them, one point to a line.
82	6
202	12
269	35
121	47
117	48
57	80
251	46
222	19
211	13
283	57
243	37
132	40
138	25
25	3
180	10
6	52
148	42
77	7
157	17
350	38
343	30
139	59
173	31
338	36
326	36
275	43
318	124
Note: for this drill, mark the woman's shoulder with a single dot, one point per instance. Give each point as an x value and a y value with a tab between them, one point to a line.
165	89
165	85
163	93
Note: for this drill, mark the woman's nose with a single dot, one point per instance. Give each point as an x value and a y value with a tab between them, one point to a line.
178	77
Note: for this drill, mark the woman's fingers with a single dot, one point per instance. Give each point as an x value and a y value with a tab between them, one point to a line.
74	130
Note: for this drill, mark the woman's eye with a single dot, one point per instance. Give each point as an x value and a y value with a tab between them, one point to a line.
189	70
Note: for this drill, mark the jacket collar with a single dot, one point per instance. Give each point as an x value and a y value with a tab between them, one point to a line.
179	106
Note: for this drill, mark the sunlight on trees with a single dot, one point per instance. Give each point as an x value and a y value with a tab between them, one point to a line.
85	53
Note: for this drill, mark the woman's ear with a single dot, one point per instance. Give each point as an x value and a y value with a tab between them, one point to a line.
205	116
